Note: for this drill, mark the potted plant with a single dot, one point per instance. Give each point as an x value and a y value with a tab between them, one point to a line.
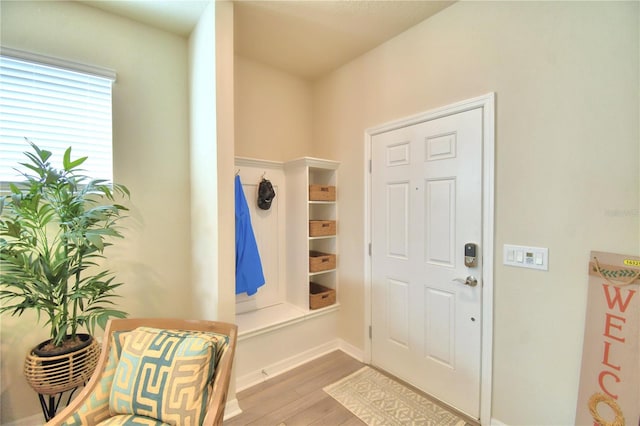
54	228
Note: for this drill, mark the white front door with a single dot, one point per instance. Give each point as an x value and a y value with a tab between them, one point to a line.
426	205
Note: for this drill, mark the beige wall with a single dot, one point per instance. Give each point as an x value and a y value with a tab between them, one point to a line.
225	137
567	166
213	240
204	153
273	113
151	156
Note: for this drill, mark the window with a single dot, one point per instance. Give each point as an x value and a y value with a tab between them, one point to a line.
55	104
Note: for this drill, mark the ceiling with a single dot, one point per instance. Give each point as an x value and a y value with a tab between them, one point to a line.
305	38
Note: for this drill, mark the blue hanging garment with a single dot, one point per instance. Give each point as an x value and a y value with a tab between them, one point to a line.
249	275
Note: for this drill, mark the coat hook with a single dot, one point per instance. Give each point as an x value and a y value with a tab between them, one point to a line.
264	174
237	172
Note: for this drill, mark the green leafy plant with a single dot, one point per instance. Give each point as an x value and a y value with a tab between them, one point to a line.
54	228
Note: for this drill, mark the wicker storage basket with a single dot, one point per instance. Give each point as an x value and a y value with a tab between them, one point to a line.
320	296
322	193
55	374
319	261
321	228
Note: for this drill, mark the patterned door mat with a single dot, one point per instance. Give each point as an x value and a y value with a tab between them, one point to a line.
378	400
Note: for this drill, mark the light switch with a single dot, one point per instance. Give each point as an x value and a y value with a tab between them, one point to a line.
539	258
526	257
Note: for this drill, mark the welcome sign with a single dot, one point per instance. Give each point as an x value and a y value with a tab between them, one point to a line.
609	392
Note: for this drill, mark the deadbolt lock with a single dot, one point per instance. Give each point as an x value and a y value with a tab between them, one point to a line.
470	255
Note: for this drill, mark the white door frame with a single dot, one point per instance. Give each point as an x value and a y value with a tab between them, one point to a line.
487	103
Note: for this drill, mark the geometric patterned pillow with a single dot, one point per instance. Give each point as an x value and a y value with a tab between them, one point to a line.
165	375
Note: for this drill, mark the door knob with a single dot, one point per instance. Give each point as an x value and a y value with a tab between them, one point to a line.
471	281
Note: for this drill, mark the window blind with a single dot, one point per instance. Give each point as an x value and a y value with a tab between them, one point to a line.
55	108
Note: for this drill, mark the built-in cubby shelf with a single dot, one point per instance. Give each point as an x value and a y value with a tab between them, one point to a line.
284	242
300	174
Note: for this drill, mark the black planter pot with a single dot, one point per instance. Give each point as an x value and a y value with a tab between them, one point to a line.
85	340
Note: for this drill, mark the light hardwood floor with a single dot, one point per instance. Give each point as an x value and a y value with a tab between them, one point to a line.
296	398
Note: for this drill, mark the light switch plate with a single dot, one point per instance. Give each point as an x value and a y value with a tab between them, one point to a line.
526	257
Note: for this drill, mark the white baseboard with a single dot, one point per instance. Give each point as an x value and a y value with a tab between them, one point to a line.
259	376
496	422
231	409
351	350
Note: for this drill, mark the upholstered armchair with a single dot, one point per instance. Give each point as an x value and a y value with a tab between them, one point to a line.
157	372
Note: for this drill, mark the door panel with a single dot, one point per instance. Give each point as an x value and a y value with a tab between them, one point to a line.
440	217
398	219
426	204
440	326
397	324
